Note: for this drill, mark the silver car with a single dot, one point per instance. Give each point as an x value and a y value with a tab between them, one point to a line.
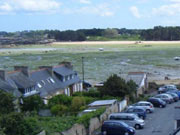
166	97
129	118
146	105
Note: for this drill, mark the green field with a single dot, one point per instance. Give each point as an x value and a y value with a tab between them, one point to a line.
118	59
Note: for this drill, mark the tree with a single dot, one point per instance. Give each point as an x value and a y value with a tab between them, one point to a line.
32	103
110	32
6	102
117	87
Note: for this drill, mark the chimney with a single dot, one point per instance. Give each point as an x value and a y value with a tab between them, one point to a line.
24	70
3	74
49	68
67	64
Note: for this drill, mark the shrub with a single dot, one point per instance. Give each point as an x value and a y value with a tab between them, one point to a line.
60	99
32	103
6	102
59	109
15	124
77	102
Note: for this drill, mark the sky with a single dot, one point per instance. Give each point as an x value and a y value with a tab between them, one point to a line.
19	15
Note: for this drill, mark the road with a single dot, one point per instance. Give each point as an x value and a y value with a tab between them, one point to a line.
161	122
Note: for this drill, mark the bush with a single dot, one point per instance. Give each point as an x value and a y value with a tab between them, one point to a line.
32	103
59	110
91	93
77	103
15	124
60	99
6	103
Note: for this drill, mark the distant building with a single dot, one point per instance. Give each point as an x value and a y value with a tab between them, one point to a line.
140	78
47	81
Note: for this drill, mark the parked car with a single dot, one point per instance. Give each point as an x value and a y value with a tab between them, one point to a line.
129	118
139	111
175	91
116	128
157	102
165	97
146	105
165	88
174	95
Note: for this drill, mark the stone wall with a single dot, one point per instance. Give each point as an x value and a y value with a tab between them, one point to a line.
95	123
77	129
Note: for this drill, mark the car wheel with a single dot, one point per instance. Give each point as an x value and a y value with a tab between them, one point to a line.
104	133
137	126
148	111
160	106
126	133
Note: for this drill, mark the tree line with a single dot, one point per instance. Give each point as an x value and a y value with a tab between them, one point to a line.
155	34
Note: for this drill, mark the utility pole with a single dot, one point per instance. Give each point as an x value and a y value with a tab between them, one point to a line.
83	68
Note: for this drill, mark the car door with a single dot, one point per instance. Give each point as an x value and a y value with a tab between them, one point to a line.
118	129
130	121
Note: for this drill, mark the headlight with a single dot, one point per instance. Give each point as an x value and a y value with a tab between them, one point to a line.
131	130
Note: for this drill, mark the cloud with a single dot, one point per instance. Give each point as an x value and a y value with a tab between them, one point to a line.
85	1
172	9
5	7
100	10
134	10
29	5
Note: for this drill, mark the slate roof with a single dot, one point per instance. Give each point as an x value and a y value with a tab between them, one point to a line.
137	77
21	80
16	80
62	70
8	88
50	88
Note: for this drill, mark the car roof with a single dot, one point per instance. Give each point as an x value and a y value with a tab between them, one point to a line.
136	107
123	114
114	121
143	102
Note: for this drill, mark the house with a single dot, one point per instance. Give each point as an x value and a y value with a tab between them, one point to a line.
47	81
140	78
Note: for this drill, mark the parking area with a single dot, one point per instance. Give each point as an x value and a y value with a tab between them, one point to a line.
161	122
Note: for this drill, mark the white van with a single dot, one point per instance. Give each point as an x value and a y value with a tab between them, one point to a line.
129	118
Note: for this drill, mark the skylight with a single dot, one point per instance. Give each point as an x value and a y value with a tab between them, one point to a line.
39	85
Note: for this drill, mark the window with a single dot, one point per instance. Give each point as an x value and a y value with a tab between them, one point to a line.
130	118
130	110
